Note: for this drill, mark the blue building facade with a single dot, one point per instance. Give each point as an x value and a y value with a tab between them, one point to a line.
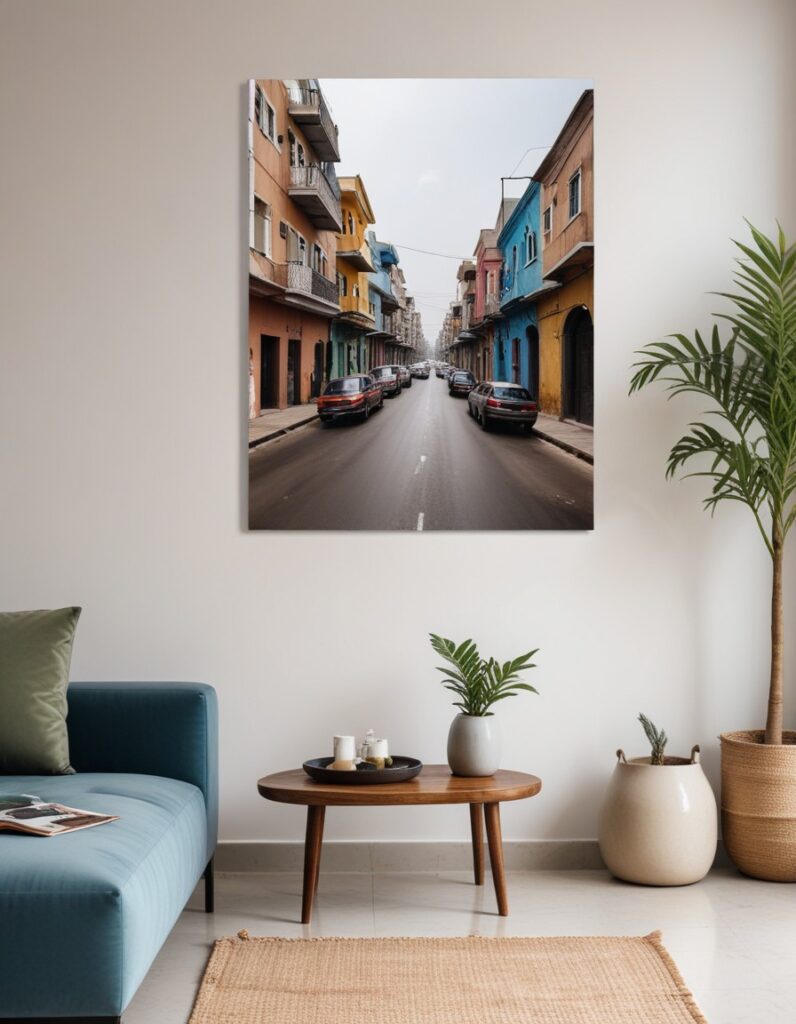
516	344
383	255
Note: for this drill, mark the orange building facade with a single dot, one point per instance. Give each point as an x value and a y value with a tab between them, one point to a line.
294	216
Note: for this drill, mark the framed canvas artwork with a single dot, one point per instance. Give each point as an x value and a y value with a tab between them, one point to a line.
421	304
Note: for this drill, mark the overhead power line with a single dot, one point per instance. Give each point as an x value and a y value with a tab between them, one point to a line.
428	252
530	149
447	256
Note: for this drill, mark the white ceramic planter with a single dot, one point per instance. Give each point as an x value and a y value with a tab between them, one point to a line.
474	745
658	823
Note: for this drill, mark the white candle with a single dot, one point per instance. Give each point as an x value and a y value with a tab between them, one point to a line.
345	748
378	749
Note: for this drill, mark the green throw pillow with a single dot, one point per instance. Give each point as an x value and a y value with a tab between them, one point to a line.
35	651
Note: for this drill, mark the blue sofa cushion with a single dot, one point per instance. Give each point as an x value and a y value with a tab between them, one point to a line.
168	729
84	915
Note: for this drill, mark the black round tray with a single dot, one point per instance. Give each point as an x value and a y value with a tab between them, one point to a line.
402	768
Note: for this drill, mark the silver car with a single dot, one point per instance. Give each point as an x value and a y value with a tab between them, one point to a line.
500	401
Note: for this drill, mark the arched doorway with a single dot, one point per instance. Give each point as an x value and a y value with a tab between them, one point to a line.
532	334
578	368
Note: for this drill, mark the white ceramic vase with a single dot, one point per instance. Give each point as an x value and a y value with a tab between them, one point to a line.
474	745
658	823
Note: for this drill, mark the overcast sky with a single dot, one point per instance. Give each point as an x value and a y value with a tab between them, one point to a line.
431	153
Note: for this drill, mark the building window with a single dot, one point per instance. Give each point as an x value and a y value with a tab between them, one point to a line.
264	114
530	247
372	309
574	194
291	138
316	258
342	284
355	291
262	227
350	225
547	221
302	242
301	160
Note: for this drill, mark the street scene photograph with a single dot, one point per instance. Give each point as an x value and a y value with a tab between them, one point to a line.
421	304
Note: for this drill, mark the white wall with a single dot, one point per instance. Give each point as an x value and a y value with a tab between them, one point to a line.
122	391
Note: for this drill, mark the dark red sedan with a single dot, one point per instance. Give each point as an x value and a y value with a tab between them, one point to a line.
349	396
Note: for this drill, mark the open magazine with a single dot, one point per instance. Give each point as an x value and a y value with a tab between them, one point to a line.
21	812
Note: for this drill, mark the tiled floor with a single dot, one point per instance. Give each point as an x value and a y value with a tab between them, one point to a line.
734	939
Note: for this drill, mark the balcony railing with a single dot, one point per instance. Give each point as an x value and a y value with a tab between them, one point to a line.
394	323
468	315
308	107
296	277
355	308
311	189
491	305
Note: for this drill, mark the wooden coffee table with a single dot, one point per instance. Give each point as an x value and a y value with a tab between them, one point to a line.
434	785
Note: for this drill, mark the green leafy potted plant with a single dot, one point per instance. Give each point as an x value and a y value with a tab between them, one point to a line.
479	683
658	820
745	445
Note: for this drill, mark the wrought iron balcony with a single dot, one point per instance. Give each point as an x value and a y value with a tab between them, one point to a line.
307	107
311	190
304	283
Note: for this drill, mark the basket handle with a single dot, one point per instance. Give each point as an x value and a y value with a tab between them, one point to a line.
695	754
620	756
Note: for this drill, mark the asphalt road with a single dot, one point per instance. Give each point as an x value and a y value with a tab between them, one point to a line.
421	463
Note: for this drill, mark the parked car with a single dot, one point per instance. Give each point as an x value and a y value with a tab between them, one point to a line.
501	401
440	369
388	378
419	370
406	376
349	396
461	382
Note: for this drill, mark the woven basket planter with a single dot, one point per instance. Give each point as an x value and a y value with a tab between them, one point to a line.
758	804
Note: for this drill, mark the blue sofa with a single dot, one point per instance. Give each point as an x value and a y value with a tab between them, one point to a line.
83	916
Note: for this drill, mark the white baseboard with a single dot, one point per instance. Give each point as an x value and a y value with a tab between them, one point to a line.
562	855
342	856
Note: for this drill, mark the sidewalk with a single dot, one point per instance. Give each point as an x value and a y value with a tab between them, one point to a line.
572	437
276	422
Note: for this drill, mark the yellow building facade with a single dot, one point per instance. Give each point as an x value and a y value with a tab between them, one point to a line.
356	320
565	310
557	313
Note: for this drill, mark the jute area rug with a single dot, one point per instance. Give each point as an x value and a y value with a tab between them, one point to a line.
443	981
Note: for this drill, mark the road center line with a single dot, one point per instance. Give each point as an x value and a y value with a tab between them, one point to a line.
420	517
419	466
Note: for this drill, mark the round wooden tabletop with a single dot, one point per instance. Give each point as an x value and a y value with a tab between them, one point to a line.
434	785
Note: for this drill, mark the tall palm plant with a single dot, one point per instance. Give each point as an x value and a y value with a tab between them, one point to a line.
745	443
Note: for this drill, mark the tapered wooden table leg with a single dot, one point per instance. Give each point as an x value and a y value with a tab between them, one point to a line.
495	840
320	847
477	829
312	859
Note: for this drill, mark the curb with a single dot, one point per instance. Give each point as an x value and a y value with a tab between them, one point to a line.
281	432
565	446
